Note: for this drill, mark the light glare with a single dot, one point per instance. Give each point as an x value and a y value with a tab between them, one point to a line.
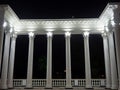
113	23
11	30
67	33
86	33
106	29
5	24
67	29
50	30
31	34
49	34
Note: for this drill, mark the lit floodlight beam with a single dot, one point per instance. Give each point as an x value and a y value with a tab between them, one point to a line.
49	34
86	33
4	24
67	33
68	29
50	29
31	34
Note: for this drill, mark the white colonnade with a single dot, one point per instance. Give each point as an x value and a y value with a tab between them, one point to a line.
110	65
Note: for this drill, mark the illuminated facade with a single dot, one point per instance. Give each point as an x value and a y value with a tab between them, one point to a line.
107	24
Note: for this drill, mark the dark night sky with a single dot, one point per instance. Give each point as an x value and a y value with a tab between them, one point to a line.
57	9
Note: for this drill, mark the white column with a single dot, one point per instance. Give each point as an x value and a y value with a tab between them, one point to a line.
117	43
116	27
11	62
68	60
114	81
49	60
30	61
2	12
5	61
87	60
107	60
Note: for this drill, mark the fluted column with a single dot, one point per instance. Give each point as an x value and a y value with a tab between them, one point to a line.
114	81
68	60
30	61
5	62
87	60
107	60
11	62
49	60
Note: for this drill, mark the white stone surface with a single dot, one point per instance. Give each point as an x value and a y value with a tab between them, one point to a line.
68	62
114	79
107	60
11	61
5	62
30	62
49	62
87	61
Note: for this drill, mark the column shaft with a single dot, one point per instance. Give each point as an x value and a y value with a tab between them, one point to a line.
30	62
1	33
49	62
11	62
87	62
117	43
68	63
114	81
107	61
5	61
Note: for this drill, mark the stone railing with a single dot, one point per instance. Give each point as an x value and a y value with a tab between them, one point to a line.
98	82
59	82
78	82
38	82
19	82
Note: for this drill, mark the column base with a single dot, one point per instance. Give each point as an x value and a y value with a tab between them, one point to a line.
3	87
114	87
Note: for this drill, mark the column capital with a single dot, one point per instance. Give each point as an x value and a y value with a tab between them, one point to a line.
14	35
86	34
31	35
104	34
49	34
7	29
67	34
